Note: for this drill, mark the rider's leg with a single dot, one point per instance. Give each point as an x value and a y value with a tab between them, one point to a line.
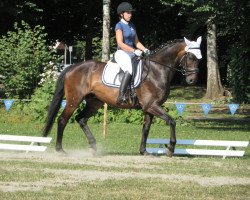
123	88
124	61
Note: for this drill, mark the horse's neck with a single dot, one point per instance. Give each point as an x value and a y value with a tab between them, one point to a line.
165	62
168	57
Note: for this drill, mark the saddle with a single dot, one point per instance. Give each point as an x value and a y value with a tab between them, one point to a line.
112	76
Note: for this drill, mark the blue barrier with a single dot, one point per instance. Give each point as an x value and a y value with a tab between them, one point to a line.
206	107
8	103
233	107
180	108
63	104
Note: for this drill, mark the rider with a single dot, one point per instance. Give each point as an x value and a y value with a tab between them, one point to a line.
128	46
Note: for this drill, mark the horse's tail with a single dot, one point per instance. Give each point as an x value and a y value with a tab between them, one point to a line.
55	104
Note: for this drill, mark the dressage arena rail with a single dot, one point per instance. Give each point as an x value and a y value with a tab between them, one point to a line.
219	144
16	140
229	151
180	106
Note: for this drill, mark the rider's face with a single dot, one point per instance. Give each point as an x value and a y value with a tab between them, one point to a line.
127	15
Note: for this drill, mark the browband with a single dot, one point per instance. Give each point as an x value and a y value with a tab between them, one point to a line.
193	48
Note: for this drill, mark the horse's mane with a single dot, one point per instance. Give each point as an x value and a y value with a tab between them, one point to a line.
166	45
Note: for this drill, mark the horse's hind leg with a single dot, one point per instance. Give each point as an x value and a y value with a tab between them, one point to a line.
62	122
92	105
73	100
145	131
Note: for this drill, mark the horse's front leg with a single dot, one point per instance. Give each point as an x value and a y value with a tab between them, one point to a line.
145	131
159	112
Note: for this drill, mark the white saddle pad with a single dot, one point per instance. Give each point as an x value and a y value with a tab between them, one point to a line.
110	77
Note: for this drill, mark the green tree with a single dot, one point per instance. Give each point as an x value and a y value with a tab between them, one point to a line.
15	11
23	57
70	21
206	11
239	73
228	23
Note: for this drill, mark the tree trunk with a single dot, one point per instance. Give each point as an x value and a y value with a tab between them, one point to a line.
105	32
105	51
215	89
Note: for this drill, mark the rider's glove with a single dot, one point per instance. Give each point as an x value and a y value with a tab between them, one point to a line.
146	52
138	52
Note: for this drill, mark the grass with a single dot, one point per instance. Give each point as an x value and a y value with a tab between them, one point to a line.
187	94
37	178
118	172
125	138
139	189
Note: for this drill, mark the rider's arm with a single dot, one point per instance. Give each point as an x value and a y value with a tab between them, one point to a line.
119	40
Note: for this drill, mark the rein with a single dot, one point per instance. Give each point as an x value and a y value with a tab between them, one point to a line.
184	70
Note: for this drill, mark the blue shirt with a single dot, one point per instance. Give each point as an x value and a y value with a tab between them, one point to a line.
128	33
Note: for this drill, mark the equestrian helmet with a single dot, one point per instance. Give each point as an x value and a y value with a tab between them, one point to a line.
123	7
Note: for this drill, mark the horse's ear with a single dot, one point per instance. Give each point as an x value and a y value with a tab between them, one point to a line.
187	41
199	40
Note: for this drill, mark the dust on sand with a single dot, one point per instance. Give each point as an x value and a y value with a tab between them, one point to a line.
66	177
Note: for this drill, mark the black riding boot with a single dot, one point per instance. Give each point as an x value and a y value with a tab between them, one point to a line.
123	88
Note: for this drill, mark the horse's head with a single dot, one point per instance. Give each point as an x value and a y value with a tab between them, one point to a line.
190	60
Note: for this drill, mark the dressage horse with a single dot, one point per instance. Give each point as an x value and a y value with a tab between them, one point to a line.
83	81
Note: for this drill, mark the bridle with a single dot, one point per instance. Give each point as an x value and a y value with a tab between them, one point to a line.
184	70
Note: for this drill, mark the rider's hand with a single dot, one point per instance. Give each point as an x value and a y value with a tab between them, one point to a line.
146	52
138	52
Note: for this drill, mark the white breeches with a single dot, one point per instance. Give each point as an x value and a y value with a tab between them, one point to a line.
123	59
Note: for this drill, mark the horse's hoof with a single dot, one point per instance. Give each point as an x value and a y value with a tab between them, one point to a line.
61	151
169	153
144	153
93	151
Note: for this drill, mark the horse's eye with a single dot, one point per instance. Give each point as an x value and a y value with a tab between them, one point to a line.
191	58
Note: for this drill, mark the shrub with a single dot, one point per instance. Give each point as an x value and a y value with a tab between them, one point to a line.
23	57
40	100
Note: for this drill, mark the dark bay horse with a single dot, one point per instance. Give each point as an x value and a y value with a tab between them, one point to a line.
83	81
